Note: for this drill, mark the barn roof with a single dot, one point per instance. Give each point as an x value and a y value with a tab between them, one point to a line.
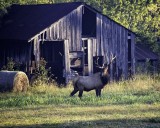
143	52
23	22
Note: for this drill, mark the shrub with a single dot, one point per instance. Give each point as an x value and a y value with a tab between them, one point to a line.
43	75
12	65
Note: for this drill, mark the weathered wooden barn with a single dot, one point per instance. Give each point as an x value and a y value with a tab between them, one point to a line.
69	36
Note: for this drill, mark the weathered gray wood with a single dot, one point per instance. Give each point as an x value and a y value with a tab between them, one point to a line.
133	53
126	54
79	28
94	47
69	27
37	50
123	52
116	52
90	56
67	60
75	54
98	36
83	64
110	38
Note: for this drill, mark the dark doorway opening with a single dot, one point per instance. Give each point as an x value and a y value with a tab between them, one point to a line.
88	23
53	53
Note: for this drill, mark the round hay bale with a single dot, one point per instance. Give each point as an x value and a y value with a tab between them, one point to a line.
16	81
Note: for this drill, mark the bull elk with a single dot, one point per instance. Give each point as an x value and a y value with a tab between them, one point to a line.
96	81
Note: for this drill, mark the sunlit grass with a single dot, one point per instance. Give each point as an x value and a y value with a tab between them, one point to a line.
131	103
74	116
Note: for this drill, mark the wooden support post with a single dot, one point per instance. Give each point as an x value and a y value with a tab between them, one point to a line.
67	60
83	59
90	56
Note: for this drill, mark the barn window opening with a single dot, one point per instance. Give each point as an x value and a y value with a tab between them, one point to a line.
88	23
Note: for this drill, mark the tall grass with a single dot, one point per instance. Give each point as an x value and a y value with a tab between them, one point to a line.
142	89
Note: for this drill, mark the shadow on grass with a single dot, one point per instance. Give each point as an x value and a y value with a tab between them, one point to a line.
121	123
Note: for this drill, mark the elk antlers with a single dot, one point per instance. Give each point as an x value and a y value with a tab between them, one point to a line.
112	59
105	64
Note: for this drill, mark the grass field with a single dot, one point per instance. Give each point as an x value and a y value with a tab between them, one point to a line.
134	103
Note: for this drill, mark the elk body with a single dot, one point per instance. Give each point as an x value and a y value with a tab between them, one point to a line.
94	82
87	83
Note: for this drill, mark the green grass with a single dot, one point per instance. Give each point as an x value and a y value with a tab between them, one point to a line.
133	103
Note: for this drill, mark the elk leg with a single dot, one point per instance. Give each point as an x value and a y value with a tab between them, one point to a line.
80	94
98	92
74	92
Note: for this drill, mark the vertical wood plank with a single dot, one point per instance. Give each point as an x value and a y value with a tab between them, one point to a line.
126	53
64	28
120	49
123	51
67	61
112	48
69	32
133	53
90	56
79	28
102	36
73	19
98	36
118	45
94	47
116	52
37	50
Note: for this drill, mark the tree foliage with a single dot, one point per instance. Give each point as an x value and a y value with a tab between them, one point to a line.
140	16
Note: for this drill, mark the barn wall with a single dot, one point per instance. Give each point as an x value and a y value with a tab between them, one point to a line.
112	39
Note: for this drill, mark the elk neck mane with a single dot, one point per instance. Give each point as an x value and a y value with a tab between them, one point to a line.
104	78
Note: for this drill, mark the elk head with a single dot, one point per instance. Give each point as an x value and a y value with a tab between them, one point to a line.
106	66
